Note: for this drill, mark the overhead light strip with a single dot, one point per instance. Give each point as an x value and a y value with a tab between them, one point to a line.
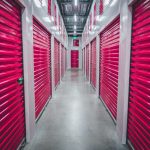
75	17
76	2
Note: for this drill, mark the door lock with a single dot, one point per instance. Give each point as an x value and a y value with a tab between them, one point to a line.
20	80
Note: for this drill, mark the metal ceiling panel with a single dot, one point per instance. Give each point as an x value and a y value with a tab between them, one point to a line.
68	10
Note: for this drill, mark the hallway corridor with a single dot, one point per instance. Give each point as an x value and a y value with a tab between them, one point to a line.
75	120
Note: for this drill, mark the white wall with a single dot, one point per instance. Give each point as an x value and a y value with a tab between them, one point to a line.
71	47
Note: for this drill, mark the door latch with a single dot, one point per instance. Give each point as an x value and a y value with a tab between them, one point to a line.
20	80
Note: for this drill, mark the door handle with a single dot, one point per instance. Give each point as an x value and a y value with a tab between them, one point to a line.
20	80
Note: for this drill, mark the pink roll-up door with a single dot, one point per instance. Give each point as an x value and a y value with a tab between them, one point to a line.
65	59
87	61
74	58
139	96
56	62
42	69
59	67
109	59
62	61
93	64
82	60
12	112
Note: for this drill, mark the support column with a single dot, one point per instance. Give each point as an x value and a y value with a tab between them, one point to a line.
124	70
28	62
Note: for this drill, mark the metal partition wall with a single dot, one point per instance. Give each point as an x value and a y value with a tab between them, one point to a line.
93	64
42	70
139	96
109	58
12	115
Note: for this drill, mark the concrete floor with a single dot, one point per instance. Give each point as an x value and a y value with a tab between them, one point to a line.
75	119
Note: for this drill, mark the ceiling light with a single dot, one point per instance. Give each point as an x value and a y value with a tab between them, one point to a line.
46	19
75	2
113	3
106	2
100	18
75	27
75	17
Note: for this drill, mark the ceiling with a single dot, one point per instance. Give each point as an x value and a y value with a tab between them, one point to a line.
68	10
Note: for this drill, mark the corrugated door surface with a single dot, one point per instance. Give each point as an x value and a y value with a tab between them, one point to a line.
139	96
87	61
56	62
42	75
59	62
109	58
84	61
93	64
12	116
74	58
65	59
62	61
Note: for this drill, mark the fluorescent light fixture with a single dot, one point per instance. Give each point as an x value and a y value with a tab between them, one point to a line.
37	3
75	17
46	19
106	2
100	18
75	2
52	18
53	28
113	3
75	27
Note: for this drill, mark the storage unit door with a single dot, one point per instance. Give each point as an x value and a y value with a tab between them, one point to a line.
93	63
62	62
42	78
87	61
65	59
59	62
82	60
109	58
56	65
12	116
74	58
139	96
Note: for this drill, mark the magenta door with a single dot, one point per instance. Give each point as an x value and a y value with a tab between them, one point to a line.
12	111
74	58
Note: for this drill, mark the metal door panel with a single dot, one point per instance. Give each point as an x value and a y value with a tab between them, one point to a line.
109	59
93	64
74	58
11	65
139	95
42	69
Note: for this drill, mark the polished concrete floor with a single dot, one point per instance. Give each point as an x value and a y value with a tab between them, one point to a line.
75	119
